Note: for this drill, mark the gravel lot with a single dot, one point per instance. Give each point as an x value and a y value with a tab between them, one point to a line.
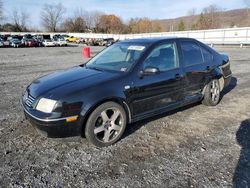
196	146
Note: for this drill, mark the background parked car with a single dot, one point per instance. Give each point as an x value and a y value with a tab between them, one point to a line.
24	41
28	36
39	42
32	43
38	39
28	40
65	36
57	36
60	42
92	42
1	43
48	42
80	40
4	37
16	43
71	39
6	43
107	42
9	38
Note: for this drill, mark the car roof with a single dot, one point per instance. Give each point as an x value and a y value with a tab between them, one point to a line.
151	40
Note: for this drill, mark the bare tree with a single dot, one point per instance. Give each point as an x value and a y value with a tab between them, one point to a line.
52	16
75	23
88	19
211	14
96	16
190	23
20	19
92	18
86	15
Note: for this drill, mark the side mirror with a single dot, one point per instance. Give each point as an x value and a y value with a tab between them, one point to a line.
150	71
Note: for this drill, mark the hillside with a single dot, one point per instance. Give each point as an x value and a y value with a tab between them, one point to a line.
224	19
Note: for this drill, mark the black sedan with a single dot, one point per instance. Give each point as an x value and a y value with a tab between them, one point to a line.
127	82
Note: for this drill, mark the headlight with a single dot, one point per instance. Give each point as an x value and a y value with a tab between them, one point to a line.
46	105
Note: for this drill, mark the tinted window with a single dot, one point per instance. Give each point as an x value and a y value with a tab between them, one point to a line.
208	57
163	57
191	53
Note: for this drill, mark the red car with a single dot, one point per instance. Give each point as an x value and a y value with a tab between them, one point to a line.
31	43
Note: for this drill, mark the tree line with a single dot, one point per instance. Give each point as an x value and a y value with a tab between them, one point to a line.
53	19
209	18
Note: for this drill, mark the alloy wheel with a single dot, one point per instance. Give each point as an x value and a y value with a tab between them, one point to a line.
108	125
215	91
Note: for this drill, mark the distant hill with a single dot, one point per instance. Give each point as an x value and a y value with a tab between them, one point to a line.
225	19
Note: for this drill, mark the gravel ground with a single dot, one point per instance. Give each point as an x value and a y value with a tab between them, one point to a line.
196	146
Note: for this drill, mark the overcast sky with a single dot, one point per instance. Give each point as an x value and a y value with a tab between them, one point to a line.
155	9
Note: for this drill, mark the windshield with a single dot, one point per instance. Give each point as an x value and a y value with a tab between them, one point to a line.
119	57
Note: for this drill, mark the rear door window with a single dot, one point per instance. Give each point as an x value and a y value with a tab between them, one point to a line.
191	53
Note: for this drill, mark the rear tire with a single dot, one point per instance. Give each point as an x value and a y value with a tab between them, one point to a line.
212	93
106	124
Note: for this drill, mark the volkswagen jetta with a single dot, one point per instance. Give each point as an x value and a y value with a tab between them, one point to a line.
127	82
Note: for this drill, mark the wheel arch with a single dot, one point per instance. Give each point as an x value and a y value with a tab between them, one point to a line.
219	76
216	74
87	112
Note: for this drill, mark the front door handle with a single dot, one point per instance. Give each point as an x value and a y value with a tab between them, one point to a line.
177	76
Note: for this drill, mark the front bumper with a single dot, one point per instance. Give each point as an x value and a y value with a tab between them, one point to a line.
62	43
49	44
54	128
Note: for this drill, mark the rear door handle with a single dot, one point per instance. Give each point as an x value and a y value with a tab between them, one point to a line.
177	76
208	68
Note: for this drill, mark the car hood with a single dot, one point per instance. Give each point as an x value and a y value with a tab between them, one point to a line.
16	42
73	79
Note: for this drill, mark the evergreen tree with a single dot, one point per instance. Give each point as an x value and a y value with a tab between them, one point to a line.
181	26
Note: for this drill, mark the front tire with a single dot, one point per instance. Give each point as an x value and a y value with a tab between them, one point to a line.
106	124
212	93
